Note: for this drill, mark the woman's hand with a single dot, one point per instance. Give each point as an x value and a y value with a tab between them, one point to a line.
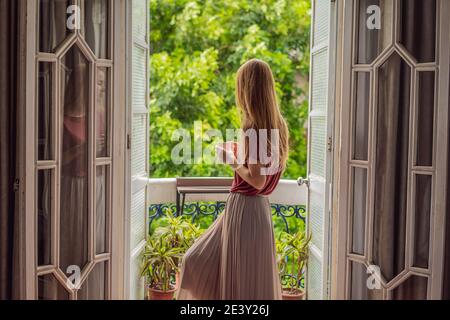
226	153
252	173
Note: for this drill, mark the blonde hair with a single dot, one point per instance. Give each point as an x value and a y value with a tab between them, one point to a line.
256	97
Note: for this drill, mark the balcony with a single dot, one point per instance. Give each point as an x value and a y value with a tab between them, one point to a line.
288	202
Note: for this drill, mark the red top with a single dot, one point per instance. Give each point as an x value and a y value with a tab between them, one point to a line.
241	186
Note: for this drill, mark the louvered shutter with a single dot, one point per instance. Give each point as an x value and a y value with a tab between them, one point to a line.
138	100
319	157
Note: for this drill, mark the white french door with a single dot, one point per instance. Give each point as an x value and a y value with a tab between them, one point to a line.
320	153
70	111
395	92
138	146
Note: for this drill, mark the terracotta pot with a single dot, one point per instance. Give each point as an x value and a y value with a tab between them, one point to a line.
293	295
154	294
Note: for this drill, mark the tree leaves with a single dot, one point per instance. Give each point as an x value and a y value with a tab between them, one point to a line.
196	49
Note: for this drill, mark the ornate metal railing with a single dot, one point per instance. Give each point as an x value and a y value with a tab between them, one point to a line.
289	213
212	209
199	210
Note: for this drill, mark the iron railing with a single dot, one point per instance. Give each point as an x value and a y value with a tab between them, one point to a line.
197	210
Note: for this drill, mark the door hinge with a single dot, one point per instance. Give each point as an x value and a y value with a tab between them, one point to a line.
330	144
128	141
16	185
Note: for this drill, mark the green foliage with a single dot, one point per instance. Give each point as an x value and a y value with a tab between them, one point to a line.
179	231
170	237
160	262
294	224
292	255
164	249
197	47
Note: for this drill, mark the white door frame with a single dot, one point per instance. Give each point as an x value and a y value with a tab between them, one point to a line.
118	273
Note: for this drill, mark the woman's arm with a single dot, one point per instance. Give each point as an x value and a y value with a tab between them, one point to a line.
252	175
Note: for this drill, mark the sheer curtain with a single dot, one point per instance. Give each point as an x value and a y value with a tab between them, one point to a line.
95	27
8	105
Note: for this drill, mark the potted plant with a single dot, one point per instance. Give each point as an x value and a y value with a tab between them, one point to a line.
180	233
159	265
292	254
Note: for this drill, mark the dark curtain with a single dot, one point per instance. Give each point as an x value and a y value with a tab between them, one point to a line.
8	106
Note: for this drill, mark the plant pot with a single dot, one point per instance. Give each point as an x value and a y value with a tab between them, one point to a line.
155	294
293	294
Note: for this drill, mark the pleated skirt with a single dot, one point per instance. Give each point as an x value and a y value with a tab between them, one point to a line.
235	258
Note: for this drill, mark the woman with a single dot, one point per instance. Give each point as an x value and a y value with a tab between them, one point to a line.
235	258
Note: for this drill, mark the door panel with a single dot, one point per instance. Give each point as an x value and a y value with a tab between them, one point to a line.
397	94
319	156
139	153
72	159
75	172
391	166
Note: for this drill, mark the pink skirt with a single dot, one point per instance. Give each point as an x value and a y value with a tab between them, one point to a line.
235	258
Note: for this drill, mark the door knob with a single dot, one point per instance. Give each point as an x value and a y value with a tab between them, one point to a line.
302	181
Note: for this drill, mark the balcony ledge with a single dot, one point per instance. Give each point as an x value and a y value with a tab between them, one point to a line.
163	190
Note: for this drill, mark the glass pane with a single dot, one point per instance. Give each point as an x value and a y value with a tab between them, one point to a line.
359	210
44	232
102	116
361	116
95	27
74	171
414	288
417	28
50	289
425	116
422	207
45	111
102	207
362	286
52	24
96	284
374	29
391	166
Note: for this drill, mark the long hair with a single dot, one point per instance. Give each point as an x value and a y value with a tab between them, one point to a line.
256	97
